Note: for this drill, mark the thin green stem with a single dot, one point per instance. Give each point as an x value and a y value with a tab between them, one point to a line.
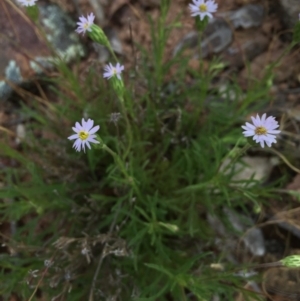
237	155
128	127
122	167
113	54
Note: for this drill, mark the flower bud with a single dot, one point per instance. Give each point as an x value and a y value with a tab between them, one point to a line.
98	35
292	261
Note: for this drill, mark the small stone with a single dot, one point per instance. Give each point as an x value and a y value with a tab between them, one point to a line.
21	133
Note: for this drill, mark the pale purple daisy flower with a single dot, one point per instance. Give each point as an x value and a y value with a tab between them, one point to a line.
85	24
262	130
27	2
84	134
111	71
203	8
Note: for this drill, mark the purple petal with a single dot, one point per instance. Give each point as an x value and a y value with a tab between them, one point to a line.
89	125
89	139
94	129
78	126
88	145
75	136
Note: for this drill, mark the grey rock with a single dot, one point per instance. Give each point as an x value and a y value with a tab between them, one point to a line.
253	237
218	33
216	37
246	47
248	16
12	75
61	33
16	67
190	40
289	10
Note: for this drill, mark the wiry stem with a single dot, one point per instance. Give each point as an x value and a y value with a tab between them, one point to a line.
285	160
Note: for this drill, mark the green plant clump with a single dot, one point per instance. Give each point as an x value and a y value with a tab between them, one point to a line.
127	219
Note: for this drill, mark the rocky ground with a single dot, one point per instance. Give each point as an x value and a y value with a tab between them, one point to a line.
243	31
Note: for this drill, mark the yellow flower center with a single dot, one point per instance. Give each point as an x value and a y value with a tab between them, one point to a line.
260	130
83	135
203	8
114	71
86	25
